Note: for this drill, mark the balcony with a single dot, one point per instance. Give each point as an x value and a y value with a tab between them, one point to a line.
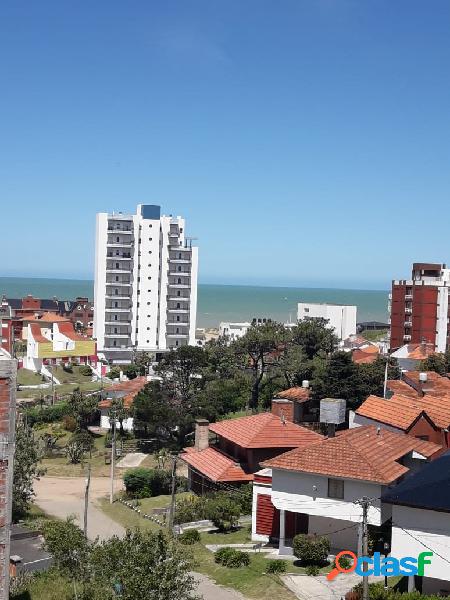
408	311
180	248
178	335
117	309
179	298
119	230
118	283
119	323
182	311
177	323
407	338
180	285
180	274
174	234
408	323
118	271
116	297
180	261
117	335
119	244
408	296
118	257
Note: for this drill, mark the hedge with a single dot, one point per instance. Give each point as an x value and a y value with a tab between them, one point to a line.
232	558
311	549
47	414
189	537
146	483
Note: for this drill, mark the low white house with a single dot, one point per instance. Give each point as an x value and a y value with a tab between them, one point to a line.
421	523
315	489
341	317
127	391
233	331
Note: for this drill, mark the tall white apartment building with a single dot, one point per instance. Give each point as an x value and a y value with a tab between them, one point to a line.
341	317
145	295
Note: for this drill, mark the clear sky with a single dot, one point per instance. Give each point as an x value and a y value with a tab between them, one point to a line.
307	142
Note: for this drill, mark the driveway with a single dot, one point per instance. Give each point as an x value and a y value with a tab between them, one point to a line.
64	496
319	588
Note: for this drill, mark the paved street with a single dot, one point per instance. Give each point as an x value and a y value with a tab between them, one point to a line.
64	496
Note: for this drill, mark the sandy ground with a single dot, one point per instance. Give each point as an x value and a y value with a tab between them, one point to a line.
64	496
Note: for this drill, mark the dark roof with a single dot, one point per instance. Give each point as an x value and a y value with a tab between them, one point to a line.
48	304
429	488
14	302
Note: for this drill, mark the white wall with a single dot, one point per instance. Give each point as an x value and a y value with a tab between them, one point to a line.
105	422
294	491
193	306
355	420
101	238
427	526
342	318
442	318
342	534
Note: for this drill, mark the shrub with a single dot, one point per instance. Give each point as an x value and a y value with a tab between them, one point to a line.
244	497
145	483
46	414
344	562
311	549
232	558
194	508
85	370
84	438
276	566
312	570
223	511
68	368
114	373
189	537
69	423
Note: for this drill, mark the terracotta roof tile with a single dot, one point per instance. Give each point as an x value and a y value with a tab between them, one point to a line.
265	430
364	356
47	317
435	385
36	332
399	411
396	386
68	330
297	394
215	465
362	453
127	390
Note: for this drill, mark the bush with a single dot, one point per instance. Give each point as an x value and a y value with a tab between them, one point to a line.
311	549
312	570
68	368
69	423
85	370
114	373
46	414
223	511
145	483
189	537
344	562
194	508
276	566
232	558
84	438
244	497
377	592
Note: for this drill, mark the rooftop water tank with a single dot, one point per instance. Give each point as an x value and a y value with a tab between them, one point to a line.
332	410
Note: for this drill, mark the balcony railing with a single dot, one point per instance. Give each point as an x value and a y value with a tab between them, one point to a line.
117	309
178	310
180	274
179	285
407	338
408	323
408	311
178	335
179	298
408	296
120	244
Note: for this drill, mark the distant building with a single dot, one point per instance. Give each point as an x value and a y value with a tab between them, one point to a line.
145	283
51	343
341	317
419	307
7	441
234	331
127	391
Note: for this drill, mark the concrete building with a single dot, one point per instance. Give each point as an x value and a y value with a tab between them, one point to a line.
8	370
145	295
419	307
341	317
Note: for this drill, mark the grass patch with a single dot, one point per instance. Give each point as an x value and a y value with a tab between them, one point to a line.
47	586
27	377
66	377
61	390
373	335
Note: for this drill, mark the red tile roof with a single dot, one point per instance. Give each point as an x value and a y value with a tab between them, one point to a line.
362	453
265	431
130	389
435	385
215	465
297	394
396	386
37	333
364	356
47	317
399	411
68	330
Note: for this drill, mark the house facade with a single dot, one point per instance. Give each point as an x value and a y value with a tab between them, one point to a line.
315	489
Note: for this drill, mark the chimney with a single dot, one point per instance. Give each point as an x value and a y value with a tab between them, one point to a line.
283	408
201	434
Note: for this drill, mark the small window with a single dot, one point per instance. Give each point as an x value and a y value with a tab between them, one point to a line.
306	310
117	239
117	266
336	489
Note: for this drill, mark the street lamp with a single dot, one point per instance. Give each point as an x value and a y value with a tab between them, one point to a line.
385	552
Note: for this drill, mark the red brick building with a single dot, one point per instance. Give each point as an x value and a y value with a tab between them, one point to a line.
420	307
7	439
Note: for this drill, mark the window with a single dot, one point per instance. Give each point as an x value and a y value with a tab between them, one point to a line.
114	343
178	305
336	488
179	269
179	279
178	318
179	254
306	310
116	291
117	266
117	278
116	305
115	317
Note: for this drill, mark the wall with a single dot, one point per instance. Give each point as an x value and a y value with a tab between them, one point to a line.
341	318
342	535
105	423
294	491
101	238
422	428
427	526
7	443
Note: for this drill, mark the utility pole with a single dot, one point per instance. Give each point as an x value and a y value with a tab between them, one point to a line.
86	499
113	457
386	377
174	489
365	503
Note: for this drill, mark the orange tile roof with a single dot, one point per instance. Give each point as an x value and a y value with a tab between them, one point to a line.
365	356
68	330
47	317
36	332
435	385
362	453
265	430
396	386
399	411
130	389
297	394
215	465
419	351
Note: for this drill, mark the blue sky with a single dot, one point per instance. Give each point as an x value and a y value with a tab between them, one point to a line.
307	142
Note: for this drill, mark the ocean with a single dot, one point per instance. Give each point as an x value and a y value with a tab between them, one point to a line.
218	303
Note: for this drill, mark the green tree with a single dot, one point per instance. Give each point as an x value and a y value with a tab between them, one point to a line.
181	370
83	408
153	412
118	413
314	336
70	549
144	565
259	350
142	361
27	456
438	362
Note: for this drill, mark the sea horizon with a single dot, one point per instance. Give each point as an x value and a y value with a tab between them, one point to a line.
222	301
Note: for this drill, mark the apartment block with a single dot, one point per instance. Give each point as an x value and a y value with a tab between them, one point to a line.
419	307
145	295
341	317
